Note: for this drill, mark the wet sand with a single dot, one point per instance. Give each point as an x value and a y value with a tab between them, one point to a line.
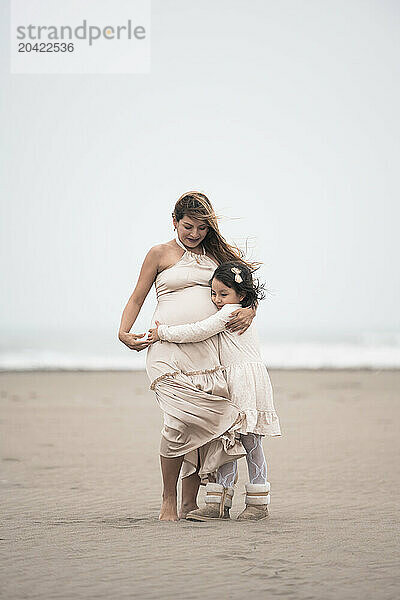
80	493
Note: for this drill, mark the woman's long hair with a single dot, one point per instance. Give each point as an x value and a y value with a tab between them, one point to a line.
197	206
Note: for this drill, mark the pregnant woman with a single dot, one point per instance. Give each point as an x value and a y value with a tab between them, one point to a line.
199	420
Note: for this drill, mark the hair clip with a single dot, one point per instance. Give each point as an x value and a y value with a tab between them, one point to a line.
237	272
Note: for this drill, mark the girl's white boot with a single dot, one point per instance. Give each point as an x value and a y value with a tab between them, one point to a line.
218	504
257	500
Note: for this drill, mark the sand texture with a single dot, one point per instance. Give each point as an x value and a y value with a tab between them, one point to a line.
80	493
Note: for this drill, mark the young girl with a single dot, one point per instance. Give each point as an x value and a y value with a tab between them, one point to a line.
232	287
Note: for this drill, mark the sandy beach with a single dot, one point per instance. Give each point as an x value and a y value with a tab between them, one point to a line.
80	493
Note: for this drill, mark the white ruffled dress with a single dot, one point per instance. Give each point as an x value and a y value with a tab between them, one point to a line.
247	377
200	421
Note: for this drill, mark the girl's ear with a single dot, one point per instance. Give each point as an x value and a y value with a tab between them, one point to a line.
242	297
174	221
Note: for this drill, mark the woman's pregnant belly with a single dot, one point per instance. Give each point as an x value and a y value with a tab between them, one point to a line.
184	306
176	308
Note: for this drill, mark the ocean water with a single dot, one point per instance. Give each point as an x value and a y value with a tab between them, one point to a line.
103	352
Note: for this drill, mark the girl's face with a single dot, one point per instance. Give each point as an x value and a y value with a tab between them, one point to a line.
191	232
222	294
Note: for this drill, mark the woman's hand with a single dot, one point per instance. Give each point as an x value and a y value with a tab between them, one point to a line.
148	274
241	319
133	340
152	336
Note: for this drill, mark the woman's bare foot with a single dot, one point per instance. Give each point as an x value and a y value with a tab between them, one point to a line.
186	508
190	488
168	510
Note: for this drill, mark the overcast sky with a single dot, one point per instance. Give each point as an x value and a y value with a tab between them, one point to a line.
284	113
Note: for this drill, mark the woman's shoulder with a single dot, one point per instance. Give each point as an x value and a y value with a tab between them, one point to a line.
164	255
160	249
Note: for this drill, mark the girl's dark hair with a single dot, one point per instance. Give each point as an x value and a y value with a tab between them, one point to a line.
252	289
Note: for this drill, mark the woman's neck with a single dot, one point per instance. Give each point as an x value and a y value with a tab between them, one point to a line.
196	250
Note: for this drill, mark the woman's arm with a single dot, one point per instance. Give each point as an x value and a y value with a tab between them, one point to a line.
195	332
241	319
146	279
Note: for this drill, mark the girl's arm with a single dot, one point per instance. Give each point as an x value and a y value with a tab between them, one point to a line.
198	331
146	279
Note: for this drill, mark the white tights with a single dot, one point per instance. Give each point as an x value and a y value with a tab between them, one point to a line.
256	463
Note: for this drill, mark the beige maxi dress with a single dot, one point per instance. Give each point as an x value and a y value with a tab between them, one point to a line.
200	421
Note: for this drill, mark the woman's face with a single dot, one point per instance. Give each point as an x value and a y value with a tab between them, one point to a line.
191	232
222	294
